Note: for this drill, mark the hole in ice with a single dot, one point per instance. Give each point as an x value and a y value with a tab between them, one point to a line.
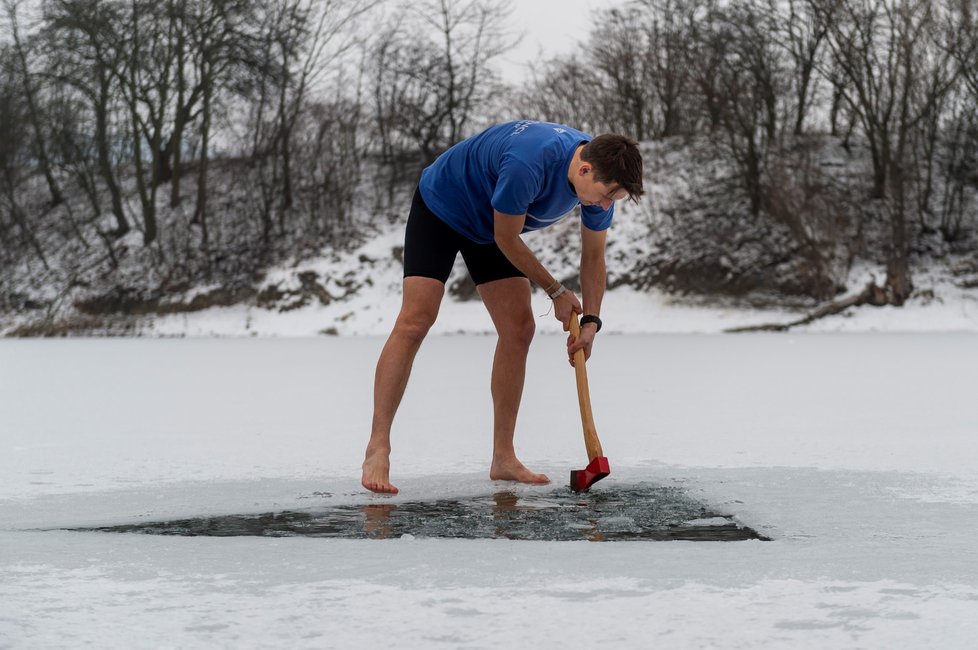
620	513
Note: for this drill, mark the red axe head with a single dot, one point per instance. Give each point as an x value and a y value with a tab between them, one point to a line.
582	479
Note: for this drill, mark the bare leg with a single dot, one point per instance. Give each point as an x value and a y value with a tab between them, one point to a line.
419	308
508	302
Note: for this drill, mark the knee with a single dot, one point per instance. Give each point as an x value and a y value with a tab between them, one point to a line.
414	327
520	331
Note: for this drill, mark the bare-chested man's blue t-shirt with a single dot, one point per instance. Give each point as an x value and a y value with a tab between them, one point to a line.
516	168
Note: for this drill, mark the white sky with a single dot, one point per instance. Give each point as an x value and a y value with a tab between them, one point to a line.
551	27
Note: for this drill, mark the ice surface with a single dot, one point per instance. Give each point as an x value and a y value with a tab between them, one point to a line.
854	453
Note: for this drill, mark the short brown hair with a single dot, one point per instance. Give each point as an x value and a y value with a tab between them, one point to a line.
616	160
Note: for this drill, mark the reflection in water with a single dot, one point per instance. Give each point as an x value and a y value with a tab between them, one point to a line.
504	505
637	512
504	502
377	520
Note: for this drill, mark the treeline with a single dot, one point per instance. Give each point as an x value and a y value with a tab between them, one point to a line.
265	113
761	78
257	127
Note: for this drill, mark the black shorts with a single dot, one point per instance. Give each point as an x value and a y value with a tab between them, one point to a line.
431	246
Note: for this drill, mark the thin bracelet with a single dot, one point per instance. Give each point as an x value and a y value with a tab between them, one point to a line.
556	283
555	294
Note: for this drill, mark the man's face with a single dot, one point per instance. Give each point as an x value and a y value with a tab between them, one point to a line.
591	192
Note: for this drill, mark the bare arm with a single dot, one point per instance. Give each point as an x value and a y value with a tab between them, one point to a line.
506	230
593	281
594	273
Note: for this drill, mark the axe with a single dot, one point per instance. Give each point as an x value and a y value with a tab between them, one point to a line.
597	468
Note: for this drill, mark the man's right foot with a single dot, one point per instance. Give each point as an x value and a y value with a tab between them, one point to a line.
376	474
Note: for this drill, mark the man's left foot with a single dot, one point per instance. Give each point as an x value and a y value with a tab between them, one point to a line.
514	470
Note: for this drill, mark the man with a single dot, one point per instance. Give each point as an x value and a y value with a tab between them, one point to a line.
477	198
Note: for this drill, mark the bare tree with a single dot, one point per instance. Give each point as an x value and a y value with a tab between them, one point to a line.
14	153
959	131
897	67
35	118
801	33
188	92
332	157
957	168
432	71
214	36
669	33
300	48
563	90
470	34
81	45
619	48
750	84
707	51
641	54
146	81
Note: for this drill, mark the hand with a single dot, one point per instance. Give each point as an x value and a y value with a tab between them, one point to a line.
583	342
564	305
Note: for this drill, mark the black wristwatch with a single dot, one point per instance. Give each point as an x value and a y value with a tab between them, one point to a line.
591	318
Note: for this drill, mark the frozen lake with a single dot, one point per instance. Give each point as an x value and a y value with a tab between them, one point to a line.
854	453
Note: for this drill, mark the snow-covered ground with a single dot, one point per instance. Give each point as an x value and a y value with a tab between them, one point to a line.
624	310
365	284
855	452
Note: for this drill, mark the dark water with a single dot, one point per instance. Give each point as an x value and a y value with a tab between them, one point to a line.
620	513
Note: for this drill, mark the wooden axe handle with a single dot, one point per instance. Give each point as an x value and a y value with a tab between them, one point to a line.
584	397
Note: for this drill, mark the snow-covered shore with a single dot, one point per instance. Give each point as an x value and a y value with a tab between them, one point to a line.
365	286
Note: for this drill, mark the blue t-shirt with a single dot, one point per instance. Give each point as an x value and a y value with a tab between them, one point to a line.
516	168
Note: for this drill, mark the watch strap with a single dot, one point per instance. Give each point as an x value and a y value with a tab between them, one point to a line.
591	318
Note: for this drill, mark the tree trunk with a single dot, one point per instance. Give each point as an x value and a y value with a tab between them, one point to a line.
175	143
870	295
284	146
834	110
105	161
898	282
200	212
803	84
148	205
881	151
753	176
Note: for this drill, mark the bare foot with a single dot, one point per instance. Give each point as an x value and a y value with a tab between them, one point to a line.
514	470
376	473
